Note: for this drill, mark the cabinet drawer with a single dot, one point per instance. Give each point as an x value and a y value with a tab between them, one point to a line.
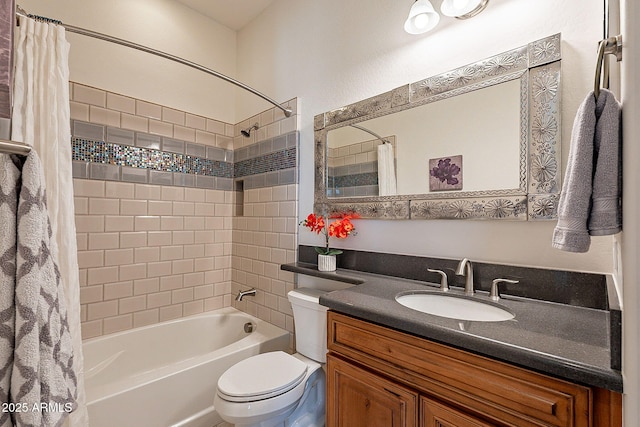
497	391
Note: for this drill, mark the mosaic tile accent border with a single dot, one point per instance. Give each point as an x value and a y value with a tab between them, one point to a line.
123	155
268	163
107	153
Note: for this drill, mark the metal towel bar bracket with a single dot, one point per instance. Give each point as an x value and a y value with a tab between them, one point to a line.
609	46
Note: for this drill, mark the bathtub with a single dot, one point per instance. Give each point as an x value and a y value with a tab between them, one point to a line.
166	374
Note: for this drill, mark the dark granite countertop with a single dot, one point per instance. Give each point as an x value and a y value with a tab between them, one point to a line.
560	340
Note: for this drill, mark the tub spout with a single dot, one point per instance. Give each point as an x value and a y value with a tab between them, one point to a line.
242	294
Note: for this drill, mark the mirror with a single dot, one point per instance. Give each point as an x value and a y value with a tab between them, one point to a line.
478	142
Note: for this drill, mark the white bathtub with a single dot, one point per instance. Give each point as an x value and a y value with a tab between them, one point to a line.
166	374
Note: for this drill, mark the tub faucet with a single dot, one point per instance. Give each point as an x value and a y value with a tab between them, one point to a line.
242	294
466	269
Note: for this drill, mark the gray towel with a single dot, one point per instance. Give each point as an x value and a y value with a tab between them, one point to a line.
591	192
43	375
9	177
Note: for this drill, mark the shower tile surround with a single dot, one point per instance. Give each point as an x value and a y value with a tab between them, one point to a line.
176	212
352	170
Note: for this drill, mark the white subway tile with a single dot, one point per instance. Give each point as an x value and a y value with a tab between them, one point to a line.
90	294
121	103
89	95
89	259
79	111
146	109
170	312
147	223
159	269
133	207
118	257
159	238
89	223
118	223
193	307
137	123
168	283
88	188
184	134
146	317
133	271
100	310
160	128
91	329
147	254
120	190
133	240
148	192
160	207
131	304
103	116
159	299
146	286
118	290
118	323
104	241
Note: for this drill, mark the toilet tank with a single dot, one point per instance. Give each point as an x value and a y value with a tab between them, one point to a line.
310	319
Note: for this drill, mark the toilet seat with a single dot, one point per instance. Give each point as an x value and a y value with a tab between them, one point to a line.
261	377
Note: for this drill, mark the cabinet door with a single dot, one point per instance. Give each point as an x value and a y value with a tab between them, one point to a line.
435	414
358	398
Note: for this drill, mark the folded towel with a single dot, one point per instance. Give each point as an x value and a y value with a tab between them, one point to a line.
606	212
43	374
9	178
386	170
590	199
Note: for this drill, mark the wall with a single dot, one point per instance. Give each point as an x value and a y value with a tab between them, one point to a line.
154	230
161	232
265	229
164	25
357	49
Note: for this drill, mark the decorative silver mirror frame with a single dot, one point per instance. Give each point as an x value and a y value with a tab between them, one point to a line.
537	65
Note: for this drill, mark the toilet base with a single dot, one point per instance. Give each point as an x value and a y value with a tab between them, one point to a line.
308	411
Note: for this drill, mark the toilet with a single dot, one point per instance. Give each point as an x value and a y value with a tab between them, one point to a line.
276	388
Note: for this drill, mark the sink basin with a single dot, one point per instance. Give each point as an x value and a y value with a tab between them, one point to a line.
454	306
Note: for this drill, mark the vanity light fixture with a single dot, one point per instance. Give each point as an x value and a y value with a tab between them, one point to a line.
422	18
463	9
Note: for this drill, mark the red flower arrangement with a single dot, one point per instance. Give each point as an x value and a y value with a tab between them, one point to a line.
340	229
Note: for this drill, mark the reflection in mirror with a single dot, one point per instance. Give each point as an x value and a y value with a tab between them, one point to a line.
478	142
482	126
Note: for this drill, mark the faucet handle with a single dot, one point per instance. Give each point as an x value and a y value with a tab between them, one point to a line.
495	294
444	284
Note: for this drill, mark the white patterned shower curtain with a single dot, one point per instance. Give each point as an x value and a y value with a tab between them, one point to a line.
41	119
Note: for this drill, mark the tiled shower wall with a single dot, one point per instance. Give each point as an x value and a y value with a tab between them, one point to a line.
156	209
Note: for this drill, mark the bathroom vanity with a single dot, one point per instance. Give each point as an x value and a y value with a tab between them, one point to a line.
377	376
554	364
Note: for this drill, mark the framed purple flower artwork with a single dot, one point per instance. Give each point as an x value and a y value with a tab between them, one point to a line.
445	173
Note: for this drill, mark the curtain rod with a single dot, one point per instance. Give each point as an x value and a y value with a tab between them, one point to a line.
12	147
78	30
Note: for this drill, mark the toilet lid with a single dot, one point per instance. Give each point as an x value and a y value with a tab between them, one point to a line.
262	376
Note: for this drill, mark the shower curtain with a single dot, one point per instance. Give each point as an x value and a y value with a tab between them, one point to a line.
41	118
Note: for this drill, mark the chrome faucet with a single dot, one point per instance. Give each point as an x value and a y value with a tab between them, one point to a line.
466	269
242	294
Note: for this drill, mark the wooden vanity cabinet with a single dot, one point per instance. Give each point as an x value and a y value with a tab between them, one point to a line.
379	377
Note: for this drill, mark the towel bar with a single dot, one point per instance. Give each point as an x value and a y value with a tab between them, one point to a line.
609	46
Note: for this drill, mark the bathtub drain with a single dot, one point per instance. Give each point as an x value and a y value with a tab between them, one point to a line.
249	327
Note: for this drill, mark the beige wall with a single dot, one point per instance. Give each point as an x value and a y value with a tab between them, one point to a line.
358	49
